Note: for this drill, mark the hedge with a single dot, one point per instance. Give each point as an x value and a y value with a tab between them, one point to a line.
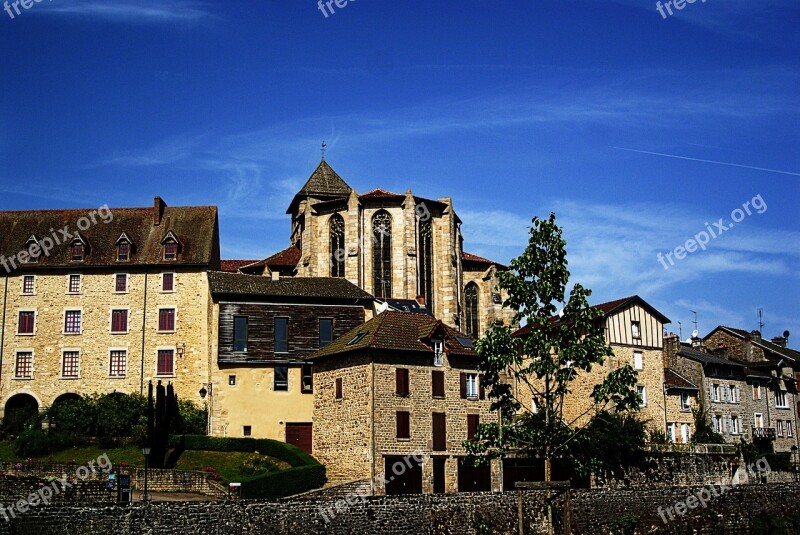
306	472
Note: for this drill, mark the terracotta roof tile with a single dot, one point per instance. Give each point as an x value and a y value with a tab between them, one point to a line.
232	266
469	257
379	193
289	257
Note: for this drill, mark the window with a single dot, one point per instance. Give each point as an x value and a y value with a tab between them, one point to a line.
338	389
167	282
358	337
166	362
247	430
637	360
715	420
401	382
121	283
338	253
28	284
281	335
403	427
307	383
281	381
123	252
76	251
27	321
425	259
170	251
471	308
240	333
69	364
685	401
756	392
382	254
715	392
166	319
231	380
779	427
734	425
685	433
72	322
325	332
469	386
437	383
118	366
788	428
438	352
472	425
23	367
671	432
34	250
636	332
74	284
439	431
642	391
780	399
119	321
758	420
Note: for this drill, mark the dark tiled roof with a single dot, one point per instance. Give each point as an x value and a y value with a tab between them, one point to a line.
237	284
195	227
612	306
232	266
707	358
396	331
323	182
768	346
677	381
379	193
408	305
475	259
289	257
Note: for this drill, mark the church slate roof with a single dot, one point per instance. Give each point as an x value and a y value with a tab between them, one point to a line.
395	331
196	228
323	182
240	285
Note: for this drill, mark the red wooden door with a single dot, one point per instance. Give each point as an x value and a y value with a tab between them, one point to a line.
300	435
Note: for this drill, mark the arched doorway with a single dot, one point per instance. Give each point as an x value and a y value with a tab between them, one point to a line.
19	409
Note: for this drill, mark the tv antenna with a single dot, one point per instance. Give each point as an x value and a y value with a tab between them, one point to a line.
680	330
695	322
760	319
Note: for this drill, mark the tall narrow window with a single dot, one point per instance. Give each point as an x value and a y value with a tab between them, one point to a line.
166	319
473	420
281	335
240	333
382	254
69	367
307	379
119	321
325	332
118	364
74	284
166	362
439	431
123	252
28	284
76	251
403	427
167	282
425	258
23	367
337	245
471	307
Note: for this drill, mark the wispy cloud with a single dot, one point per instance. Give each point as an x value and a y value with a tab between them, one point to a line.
729	164
143	11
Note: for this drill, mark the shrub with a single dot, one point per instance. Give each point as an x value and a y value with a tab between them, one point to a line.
33	442
255	463
193	419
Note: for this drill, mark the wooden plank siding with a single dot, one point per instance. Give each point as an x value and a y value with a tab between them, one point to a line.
303	330
618	328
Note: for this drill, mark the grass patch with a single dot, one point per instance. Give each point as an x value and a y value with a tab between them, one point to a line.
229	464
80	456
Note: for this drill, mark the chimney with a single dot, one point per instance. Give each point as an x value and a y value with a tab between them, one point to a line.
421	300
672	344
158	210
756	336
779	341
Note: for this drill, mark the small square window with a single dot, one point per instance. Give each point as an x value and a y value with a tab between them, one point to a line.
247	431
232	380
28	284
121	283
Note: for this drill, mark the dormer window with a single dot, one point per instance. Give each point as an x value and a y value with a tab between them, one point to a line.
76	252
33	249
438	352
123	244
171	245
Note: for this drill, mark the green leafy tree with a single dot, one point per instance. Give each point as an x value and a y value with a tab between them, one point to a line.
545	362
703	431
610	443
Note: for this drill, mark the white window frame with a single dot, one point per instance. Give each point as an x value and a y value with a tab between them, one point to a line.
735	427
716	423
785	404
472	385
688	401
789	431
638	360
438	353
715	395
64	351
685	433
672	433
64	321
175	322
642	391
636	329
779	428
22	288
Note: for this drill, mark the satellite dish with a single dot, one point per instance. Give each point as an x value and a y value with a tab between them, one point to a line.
695	333
786	334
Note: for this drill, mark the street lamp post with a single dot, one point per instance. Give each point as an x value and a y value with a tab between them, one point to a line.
146	453
210	393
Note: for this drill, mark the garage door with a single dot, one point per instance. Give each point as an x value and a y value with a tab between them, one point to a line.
400	479
300	435
474	478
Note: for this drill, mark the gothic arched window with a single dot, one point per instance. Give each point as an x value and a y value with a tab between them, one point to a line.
471	302
425	255
336	225
382	254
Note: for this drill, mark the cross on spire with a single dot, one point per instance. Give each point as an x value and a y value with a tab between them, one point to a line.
324	148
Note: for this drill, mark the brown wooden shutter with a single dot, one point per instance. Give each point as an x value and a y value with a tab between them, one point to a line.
339	388
403	427
463	385
437	378
472	425
401	381
481	389
439	431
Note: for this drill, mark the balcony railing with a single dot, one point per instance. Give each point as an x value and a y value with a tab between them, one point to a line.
764	432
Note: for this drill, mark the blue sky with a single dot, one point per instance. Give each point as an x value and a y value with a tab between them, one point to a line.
635	129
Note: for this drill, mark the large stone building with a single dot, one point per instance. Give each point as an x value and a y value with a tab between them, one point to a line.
390	245
105	300
401	388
